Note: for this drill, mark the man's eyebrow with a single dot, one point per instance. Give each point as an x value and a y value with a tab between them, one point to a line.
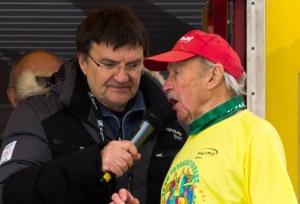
136	60
109	60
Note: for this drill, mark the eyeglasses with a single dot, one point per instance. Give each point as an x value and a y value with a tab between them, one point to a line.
132	69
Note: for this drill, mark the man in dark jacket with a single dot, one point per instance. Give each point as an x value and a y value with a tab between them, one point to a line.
57	148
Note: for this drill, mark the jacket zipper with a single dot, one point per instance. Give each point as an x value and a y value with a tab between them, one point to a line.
66	144
170	153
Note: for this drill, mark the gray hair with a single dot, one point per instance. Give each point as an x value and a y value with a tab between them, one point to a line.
237	87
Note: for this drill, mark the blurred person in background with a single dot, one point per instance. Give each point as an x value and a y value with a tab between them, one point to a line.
26	71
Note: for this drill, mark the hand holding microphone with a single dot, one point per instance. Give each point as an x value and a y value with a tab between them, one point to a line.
118	156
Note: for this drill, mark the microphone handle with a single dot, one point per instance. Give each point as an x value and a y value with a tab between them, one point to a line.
141	133
107	176
168	120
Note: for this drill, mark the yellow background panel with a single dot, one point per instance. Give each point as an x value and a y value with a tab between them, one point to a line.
282	68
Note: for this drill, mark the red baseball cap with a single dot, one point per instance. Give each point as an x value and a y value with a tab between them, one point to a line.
207	45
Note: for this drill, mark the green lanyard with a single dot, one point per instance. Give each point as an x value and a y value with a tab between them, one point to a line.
217	114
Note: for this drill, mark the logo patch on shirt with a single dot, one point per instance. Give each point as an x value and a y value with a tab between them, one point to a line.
207	152
7	152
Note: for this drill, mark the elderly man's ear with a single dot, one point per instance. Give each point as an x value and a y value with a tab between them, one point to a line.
12	97
216	76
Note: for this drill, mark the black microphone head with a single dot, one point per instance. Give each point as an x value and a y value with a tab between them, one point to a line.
155	116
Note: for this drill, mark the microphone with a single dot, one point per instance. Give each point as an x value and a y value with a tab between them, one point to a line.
150	122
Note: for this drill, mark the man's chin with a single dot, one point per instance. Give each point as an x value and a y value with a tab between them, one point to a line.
180	116
119	103
119	97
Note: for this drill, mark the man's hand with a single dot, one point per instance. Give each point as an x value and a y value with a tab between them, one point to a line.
118	156
123	197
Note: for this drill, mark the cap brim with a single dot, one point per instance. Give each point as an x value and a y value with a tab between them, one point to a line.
160	62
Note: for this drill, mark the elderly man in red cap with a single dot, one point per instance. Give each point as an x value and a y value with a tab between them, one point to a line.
231	155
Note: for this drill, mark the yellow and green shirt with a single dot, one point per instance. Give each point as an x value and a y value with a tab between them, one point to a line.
237	160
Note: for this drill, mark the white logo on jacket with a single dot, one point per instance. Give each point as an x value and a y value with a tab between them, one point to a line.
7	152
176	134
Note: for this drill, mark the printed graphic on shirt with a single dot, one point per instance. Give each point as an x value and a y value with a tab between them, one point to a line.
7	152
181	183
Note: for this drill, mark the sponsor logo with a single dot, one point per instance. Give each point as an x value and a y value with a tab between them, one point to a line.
7	152
207	152
90	95
100	123
176	134
100	126
93	100
239	106
186	39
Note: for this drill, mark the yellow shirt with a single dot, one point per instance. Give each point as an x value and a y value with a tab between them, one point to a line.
238	160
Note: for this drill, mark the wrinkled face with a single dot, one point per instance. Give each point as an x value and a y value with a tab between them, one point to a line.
186	88
111	83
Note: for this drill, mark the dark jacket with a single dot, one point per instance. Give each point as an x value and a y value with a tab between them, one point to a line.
54	145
